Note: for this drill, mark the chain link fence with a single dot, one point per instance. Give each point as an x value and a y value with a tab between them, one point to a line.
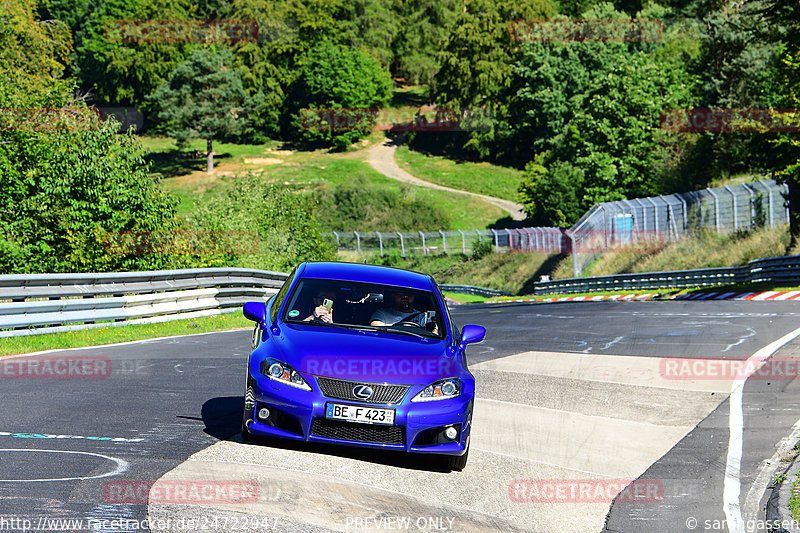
548	240
639	224
648	223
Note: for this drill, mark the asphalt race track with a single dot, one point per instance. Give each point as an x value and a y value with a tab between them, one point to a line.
578	403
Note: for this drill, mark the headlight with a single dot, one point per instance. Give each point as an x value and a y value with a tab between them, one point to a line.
283	373
439	390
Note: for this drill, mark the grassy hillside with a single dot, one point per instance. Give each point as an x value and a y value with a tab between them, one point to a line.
483	178
312	170
703	250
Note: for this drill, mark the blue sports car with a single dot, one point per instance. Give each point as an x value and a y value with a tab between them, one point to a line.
361	355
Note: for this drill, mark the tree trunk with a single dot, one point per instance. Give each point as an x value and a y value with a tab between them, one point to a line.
209	157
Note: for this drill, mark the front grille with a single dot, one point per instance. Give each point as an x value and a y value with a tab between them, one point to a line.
352	431
343	390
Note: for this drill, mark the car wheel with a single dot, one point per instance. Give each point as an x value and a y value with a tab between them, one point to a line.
458	462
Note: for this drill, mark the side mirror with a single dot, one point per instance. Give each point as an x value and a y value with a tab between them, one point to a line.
257	312
472	334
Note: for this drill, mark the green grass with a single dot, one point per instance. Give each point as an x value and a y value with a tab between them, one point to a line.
794	499
316	168
705	249
465	298
111	335
482	178
510	271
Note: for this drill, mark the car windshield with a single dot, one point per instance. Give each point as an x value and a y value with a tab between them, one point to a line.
348	304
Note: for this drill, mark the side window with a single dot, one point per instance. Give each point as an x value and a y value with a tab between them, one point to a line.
281	296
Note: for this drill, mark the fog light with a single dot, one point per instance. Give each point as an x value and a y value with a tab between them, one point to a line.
451	433
263	413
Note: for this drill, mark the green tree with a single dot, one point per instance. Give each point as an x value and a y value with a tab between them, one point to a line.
204	99
476	67
423	32
339	80
590	112
785	17
127	73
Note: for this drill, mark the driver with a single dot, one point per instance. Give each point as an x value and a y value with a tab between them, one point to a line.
402	307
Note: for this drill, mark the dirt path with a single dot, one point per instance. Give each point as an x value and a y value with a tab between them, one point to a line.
381	157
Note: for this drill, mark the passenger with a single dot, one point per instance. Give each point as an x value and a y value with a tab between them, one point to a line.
320	313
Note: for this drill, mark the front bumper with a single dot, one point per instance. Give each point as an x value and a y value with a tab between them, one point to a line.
300	415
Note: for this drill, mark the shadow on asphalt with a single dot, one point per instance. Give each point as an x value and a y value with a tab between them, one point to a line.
409	461
223	416
223	419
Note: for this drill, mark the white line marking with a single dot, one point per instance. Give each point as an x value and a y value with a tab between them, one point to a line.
732	485
121	467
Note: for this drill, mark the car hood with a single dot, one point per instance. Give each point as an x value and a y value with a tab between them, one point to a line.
362	355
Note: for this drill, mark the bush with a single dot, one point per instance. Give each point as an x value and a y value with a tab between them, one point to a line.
281	224
361	206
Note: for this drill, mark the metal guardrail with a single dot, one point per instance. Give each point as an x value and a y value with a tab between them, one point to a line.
31	304
469	289
784	270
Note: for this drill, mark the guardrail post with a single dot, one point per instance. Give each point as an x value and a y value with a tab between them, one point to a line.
510	243
496	240
480	235
380	241
424	249
644	215
716	208
735	209
337	239
358	241
655	214
752	205
771	220
402	245
463	243
685	212
444	241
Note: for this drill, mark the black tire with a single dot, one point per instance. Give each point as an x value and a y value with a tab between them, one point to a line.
249	399
458	462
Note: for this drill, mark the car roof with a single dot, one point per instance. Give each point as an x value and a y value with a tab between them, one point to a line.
367	274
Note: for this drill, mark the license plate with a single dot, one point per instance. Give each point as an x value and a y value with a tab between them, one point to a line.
355	413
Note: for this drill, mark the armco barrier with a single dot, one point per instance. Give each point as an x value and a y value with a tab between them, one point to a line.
31	304
782	270
478	291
